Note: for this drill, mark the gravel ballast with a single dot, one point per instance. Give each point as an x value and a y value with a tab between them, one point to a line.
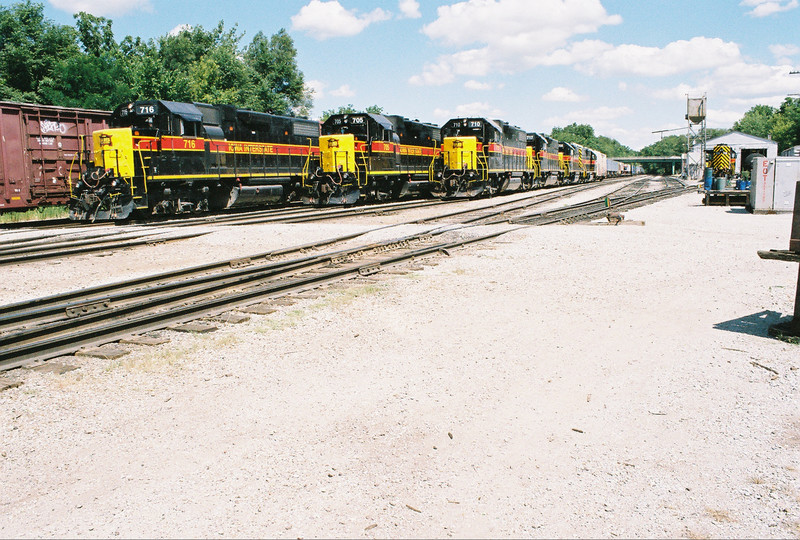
561	381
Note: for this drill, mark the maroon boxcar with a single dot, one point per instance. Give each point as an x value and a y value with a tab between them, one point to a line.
42	149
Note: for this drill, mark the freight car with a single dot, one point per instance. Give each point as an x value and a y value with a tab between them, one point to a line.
372	157
44	149
165	157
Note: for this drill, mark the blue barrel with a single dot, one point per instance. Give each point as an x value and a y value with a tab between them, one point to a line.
708	179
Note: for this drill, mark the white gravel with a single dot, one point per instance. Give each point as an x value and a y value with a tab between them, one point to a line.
563	381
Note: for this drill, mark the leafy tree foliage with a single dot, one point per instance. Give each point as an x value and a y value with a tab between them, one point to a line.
350	109
85	66
786	125
30	47
672	145
95	33
757	121
278	83
584	135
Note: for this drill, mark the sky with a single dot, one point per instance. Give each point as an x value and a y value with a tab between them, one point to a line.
625	67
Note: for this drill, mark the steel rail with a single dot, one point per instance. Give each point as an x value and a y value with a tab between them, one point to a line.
113	328
598	207
50	306
58	316
58	251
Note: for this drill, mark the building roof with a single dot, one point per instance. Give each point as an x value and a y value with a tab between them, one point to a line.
739	140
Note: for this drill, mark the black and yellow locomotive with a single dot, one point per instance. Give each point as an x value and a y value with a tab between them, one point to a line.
482	157
543	160
164	157
372	157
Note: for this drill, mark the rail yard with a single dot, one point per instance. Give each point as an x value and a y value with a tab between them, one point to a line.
424	368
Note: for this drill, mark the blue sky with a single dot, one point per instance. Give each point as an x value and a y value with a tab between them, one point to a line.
623	66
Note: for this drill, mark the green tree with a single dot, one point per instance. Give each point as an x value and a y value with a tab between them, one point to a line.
30	47
86	81
95	34
350	109
346	109
786	127
85	67
93	79
142	70
583	134
757	121
278	83
672	145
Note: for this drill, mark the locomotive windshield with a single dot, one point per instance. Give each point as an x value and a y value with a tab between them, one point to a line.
164	117
480	128
364	127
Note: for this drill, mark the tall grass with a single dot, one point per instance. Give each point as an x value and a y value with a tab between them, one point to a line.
37	214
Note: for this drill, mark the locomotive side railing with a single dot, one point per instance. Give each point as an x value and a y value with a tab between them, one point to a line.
362	172
145	169
483	166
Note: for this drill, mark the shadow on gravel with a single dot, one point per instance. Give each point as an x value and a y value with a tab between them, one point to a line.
756	324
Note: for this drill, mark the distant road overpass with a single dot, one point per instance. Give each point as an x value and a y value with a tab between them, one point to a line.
675	161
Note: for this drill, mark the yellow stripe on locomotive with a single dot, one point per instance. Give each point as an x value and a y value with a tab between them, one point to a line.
113	150
338	153
460	153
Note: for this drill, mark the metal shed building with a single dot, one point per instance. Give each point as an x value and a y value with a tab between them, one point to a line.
746	147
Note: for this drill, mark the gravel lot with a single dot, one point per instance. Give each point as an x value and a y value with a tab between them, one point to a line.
562	381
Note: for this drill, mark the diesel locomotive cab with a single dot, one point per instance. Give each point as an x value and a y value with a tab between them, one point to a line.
164	157
373	157
124	154
482	157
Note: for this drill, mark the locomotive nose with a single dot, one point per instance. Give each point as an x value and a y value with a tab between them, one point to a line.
337	153
460	153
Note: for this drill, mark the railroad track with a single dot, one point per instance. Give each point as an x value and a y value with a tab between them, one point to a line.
22	251
45	328
62	324
635	194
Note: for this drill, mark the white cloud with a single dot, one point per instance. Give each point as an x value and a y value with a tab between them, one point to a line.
477	108
560	93
323	20
477	85
676	57
599	118
510	21
474	109
316	87
343	91
510	35
409	9
783	53
180	28
742	79
723	118
784	50
679	92
750	83
764	8
102	8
